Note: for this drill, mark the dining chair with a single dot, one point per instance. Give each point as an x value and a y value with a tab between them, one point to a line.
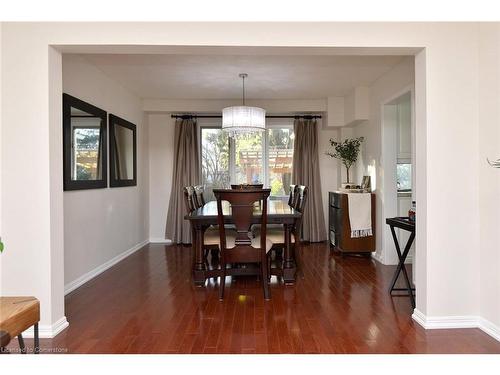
247	186
293	195
211	238
300	206
301	196
198	195
296	192
243	248
291	202
277	234
189	199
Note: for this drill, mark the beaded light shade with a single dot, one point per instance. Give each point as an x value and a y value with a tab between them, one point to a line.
243	119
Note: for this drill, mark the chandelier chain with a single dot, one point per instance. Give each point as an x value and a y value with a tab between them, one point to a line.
243	76
243	119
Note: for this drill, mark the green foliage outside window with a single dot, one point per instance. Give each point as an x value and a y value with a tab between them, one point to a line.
277	187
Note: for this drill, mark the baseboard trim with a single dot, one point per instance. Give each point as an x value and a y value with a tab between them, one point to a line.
160	240
377	257
488	327
419	317
75	284
453	322
444	322
47	331
380	258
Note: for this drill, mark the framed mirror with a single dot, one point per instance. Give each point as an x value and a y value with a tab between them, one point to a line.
84	145
122	152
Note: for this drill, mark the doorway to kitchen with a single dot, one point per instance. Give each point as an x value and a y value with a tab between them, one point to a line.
398	158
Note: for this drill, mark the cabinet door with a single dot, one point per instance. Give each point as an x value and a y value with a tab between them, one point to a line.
335	200
337	219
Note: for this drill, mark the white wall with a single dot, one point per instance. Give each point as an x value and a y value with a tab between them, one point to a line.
328	166
1	232
101	224
161	157
384	89
447	129
489	178
404	155
32	263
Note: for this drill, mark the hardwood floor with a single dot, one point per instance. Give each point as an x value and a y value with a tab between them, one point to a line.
148	304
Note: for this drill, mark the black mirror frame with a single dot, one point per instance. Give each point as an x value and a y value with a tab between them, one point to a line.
113	121
69	184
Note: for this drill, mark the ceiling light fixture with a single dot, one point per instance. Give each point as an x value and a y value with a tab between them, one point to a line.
243	119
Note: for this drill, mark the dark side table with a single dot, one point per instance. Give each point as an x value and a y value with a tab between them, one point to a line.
409	225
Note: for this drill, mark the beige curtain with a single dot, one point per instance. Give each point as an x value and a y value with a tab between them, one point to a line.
306	172
186	172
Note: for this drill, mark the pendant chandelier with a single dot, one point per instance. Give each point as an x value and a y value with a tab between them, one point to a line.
243	119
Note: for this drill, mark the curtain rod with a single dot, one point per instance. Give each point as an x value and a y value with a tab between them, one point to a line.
187	117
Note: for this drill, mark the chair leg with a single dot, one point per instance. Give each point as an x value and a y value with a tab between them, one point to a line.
215	253
36	346
222	279
268	264
265	284
214	256
21	343
279	253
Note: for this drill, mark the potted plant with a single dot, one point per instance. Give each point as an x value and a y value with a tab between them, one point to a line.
346	151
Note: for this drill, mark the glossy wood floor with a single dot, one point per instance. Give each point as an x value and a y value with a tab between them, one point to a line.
148	304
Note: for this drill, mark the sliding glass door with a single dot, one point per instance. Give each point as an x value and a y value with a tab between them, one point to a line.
262	157
279	159
248	151
214	152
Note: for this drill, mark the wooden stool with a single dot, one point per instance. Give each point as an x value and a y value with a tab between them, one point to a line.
17	314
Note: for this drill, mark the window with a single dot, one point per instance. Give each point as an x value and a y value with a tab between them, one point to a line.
403	176
214	160
248	166
279	160
261	157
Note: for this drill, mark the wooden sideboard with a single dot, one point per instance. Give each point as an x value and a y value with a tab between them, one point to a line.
339	227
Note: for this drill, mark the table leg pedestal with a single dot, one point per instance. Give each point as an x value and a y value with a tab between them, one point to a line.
289	267
199	267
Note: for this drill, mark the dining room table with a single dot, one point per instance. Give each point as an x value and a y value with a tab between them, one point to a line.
278	212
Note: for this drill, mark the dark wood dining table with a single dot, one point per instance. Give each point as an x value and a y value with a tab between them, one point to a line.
278	212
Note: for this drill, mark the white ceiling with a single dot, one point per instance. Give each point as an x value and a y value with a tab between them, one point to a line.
165	76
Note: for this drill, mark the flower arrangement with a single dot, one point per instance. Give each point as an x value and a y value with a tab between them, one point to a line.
346	151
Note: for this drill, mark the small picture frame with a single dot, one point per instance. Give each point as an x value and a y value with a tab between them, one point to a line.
366	183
